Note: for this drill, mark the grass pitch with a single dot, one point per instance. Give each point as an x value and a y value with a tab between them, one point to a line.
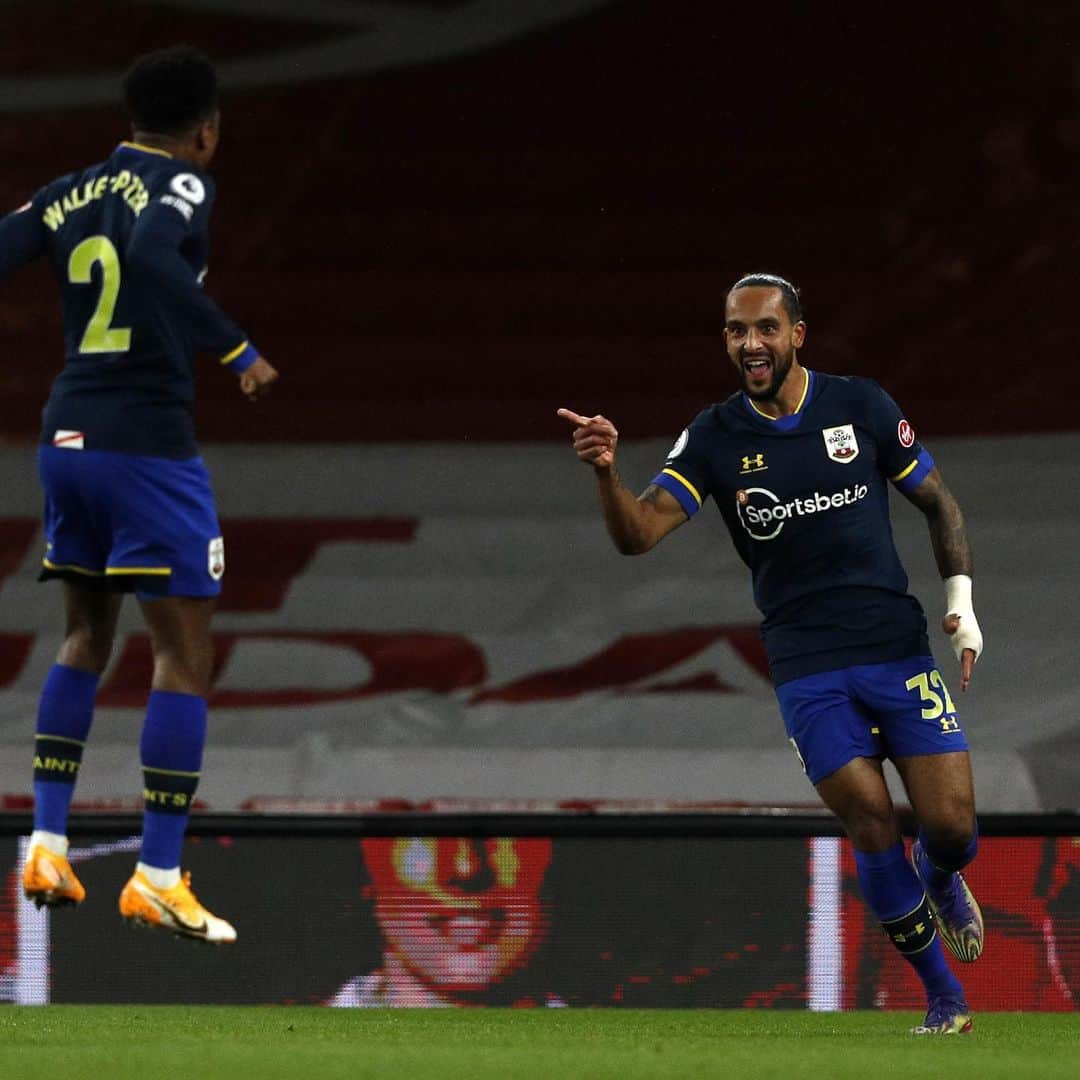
209	1042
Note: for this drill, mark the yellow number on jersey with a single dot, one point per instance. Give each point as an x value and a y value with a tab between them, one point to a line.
100	337
935	704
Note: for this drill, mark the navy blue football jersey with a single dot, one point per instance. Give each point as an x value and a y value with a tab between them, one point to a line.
128	241
806	502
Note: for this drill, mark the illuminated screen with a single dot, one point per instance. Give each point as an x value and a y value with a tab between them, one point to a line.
421	921
1029	892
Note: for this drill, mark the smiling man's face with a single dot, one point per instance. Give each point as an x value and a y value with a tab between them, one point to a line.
761	339
461	913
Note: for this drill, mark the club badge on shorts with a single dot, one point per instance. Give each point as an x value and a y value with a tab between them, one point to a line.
215	558
841	444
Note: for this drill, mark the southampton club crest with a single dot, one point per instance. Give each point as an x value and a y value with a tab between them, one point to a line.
841	444
215	558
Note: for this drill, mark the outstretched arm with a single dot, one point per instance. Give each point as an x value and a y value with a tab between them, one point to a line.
952	551
636	524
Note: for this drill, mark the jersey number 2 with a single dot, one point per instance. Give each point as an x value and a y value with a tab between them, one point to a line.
99	336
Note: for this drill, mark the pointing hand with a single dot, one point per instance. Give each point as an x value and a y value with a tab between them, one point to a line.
595	438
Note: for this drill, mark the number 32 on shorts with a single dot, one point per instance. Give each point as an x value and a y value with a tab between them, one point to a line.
936	702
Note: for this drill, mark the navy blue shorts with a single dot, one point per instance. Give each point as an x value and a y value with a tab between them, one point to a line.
897	709
133	524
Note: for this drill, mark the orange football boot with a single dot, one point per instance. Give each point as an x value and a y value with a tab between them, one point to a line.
49	881
174	909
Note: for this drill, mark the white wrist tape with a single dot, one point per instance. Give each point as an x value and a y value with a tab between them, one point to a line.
958	602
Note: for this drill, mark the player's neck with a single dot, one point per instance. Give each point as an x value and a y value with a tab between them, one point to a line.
150	139
166	144
792	394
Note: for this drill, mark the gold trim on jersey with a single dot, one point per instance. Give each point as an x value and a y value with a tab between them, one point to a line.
798	407
229	357
685	483
160	571
900	475
145	149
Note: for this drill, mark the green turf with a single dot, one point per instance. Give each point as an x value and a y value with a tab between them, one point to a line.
206	1042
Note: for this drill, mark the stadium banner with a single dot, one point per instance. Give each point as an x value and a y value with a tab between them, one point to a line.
397	642
433	921
355	917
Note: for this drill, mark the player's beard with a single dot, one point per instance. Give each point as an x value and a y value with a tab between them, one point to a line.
780	365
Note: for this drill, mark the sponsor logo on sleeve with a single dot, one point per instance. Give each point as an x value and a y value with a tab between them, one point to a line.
187	211
188	186
841	444
905	433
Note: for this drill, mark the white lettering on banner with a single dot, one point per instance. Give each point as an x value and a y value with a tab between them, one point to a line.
292	663
297	668
642	663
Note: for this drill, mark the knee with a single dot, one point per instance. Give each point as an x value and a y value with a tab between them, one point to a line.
871	827
953	835
186	672
87	647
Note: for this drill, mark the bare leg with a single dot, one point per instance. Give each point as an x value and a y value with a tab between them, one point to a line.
90	617
858	796
943	797
180	638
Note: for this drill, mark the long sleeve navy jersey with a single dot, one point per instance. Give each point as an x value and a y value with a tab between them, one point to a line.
128	241
805	500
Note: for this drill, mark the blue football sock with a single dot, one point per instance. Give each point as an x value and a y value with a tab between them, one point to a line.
939	864
171	747
65	713
897	898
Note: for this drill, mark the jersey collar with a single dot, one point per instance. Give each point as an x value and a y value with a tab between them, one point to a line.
142	148
791	421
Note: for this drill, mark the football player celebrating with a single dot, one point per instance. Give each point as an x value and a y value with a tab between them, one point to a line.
128	504
797	463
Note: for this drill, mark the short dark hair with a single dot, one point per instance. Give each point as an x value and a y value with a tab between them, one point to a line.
171	91
789	294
